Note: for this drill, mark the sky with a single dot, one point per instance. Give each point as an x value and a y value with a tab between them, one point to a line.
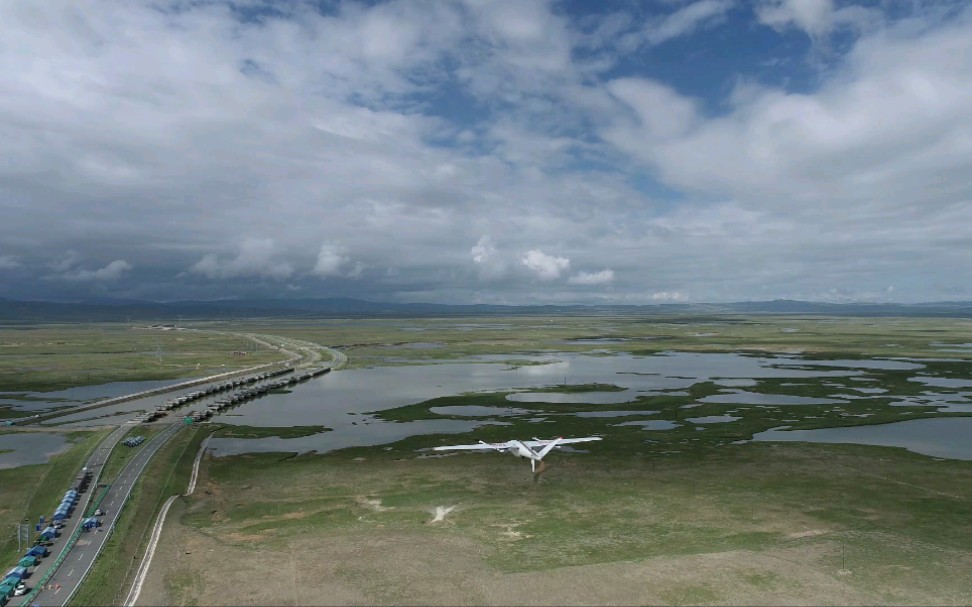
486	151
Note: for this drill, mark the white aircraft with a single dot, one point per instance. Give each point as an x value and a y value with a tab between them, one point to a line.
526	449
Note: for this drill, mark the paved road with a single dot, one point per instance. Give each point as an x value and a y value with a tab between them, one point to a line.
80	559
83	554
94	464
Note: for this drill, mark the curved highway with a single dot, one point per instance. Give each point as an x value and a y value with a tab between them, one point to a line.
81	557
64	582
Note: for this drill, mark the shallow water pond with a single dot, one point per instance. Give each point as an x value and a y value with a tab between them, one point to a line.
938	437
24	448
343	400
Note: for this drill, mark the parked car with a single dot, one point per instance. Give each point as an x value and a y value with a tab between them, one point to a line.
20	589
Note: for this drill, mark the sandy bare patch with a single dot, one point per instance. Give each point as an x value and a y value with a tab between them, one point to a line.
245	538
289	516
440	513
511	533
807	533
374	504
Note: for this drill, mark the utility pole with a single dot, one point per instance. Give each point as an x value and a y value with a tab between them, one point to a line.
23	531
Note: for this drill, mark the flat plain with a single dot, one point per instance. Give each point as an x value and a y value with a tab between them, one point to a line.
695	514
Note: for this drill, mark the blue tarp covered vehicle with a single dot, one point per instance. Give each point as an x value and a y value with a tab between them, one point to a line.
38	551
17	573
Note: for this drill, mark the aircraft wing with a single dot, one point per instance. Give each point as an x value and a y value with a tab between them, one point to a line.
476	447
562	441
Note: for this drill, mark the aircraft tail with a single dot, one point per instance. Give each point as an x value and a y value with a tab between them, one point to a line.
549	447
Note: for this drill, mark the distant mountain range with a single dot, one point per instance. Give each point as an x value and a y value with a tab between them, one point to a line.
13	311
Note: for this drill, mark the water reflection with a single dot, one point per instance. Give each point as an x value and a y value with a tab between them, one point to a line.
30	448
613	413
651	424
942	382
42	401
343	400
756	398
624	396
376	434
938	437
338	400
478	411
327	400
712	419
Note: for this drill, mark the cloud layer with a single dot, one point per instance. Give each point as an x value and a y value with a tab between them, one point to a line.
502	151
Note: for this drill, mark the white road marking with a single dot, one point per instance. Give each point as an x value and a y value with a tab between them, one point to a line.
70	572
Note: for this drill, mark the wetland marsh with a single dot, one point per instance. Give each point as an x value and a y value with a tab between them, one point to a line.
704	489
682	503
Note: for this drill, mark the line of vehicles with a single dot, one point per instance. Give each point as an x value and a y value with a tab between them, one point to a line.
14	581
175	403
133	441
254	392
14	584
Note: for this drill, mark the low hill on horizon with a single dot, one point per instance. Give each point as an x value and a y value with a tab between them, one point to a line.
13	311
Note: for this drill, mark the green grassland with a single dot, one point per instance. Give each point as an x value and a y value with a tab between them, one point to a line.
884	524
898	522
233	431
370	342
55	357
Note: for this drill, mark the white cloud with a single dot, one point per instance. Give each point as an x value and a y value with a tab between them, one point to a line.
329	260
669	296
255	258
661	111
687	19
112	271
592	278
414	128
483	250
815	17
812	16
891	130
66	261
547	267
8	262
488	260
